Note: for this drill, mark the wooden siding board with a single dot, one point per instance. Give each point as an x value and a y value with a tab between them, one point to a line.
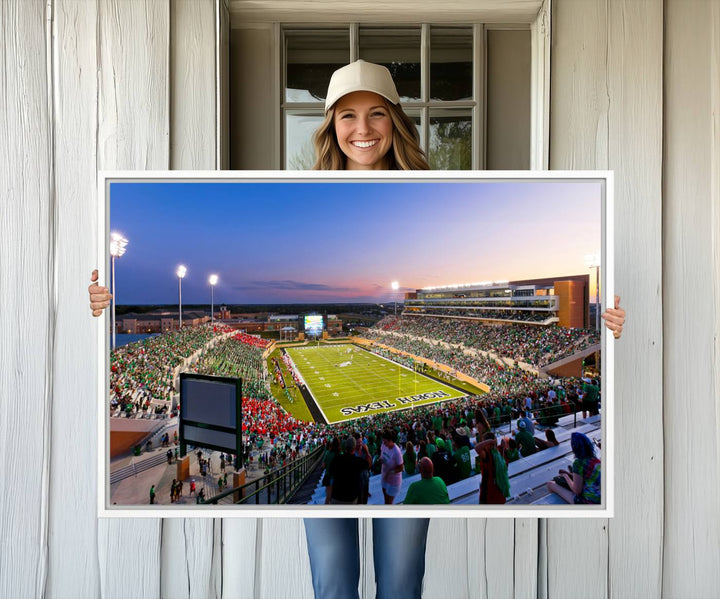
73	568
26	308
187	558
526	554
223	68
692	460
133	134
282	567
239	558
134	85
635	47
447	562
192	85
715	208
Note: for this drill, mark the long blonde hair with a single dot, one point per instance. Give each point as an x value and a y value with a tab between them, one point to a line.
405	153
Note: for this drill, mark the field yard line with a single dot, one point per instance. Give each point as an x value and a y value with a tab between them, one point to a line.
376	374
342	374
426	378
392	382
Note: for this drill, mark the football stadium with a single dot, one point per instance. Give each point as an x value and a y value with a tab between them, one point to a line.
512	361
318	378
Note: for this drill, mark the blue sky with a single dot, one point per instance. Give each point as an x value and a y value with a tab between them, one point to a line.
286	242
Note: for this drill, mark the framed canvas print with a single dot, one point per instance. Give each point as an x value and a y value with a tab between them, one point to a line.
333	344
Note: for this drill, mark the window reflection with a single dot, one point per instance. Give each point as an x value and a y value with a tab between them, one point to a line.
451	60
299	149
399	51
450	146
310	58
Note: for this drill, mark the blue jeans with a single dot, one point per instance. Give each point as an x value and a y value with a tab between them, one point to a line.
398	553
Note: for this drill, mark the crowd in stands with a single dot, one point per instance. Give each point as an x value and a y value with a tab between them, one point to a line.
534	345
237	356
252	340
510	379
443	433
485	314
143	371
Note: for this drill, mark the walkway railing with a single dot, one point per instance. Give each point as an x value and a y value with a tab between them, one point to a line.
277	487
537	415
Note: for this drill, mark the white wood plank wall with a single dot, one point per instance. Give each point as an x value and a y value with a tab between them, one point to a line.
635	87
691	302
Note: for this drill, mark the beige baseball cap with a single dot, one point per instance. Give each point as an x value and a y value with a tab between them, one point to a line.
361	76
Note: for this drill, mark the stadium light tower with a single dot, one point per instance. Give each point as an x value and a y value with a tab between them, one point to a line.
213	281
181	270
117	248
593	261
395	285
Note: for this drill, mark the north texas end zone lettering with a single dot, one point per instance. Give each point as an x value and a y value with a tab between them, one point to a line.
384	405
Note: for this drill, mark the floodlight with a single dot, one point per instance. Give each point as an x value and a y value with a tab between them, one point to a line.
181	270
593	261
395	285
118	245
213	281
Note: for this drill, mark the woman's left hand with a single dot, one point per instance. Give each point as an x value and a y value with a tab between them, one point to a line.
615	318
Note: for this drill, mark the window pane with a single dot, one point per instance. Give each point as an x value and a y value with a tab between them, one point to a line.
451	55
450	139
399	51
311	58
414	115
299	150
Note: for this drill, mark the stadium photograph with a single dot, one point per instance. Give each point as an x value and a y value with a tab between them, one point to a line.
375	344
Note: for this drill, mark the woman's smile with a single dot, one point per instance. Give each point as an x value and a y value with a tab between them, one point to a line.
364	130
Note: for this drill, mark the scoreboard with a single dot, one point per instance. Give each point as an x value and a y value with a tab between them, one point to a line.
314	324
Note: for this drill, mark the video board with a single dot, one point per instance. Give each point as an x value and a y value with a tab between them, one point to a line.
314	324
210	413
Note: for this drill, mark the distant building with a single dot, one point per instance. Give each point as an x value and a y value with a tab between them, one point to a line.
164	321
158	322
541	302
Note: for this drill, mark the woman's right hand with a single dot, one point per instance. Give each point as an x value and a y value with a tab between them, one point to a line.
99	296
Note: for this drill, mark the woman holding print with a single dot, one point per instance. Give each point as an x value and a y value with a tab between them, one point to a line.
364	128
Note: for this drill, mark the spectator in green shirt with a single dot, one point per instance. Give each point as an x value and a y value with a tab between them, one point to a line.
591	398
461	458
429	489
525	439
409	459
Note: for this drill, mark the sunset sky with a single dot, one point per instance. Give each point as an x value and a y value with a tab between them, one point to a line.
330	241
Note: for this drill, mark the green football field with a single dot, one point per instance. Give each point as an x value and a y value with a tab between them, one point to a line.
348	382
